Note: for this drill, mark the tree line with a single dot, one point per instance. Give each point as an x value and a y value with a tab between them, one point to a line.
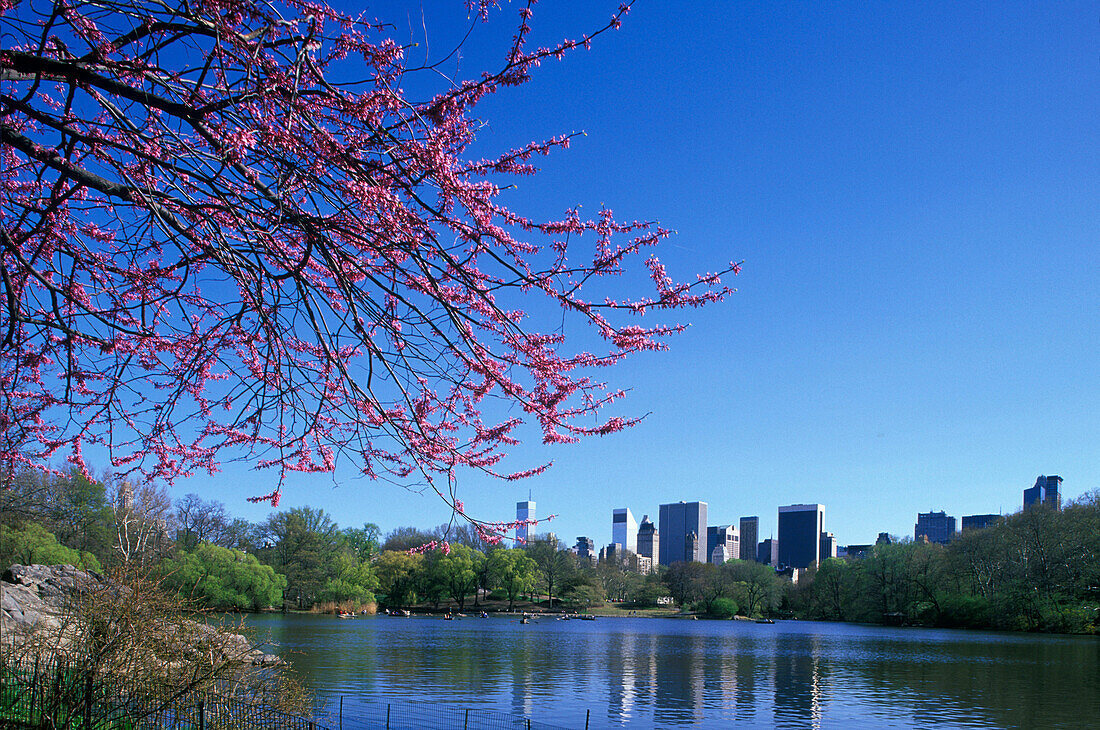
1037	570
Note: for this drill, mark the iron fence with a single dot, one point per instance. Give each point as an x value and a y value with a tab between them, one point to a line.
52	695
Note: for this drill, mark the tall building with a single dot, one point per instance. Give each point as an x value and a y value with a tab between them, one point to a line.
979	522
934	527
727	537
649	540
585	549
624	530
768	552
800	528
884	539
750	533
1047	491
525	512
828	547
679	521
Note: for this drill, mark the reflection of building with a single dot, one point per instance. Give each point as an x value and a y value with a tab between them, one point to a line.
648	539
828	547
750	533
1047	491
768	552
934	527
726	537
800	534
979	522
624	530
525	512
681	525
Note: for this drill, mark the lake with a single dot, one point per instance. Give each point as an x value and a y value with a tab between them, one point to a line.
647	672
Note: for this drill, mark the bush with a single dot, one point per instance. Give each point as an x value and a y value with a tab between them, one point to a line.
966	612
723	608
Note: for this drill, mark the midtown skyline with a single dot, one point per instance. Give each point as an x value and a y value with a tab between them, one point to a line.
912	190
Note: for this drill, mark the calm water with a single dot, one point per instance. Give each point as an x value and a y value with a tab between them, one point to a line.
675	673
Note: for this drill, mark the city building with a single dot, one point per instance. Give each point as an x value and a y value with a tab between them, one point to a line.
525	512
1047	491
727	537
750	533
624	530
613	553
649	540
768	552
855	552
979	522
800	528
681	525
884	539
718	556
828	547
644	563
934	527
585	549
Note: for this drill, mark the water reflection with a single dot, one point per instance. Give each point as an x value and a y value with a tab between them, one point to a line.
669	673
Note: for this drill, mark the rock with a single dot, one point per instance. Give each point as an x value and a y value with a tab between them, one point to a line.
35	602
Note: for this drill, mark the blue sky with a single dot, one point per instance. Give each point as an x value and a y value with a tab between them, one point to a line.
914	191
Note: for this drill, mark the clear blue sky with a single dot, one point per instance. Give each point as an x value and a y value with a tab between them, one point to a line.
915	191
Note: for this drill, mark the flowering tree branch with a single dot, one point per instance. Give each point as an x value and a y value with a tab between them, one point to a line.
218	240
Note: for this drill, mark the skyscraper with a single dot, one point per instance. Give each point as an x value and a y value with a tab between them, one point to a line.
800	528
727	536
768	552
585	549
678	521
649	540
750	533
979	522
828	547
525	511
1047	491
624	530
935	527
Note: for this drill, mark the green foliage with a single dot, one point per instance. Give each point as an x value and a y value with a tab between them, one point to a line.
584	596
33	544
398	576
513	571
224	578
723	608
455	573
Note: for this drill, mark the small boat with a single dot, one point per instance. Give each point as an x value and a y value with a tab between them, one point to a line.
345	615
764	621
588	617
448	617
525	620
484	615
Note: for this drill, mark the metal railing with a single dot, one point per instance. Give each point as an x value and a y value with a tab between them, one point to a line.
53	695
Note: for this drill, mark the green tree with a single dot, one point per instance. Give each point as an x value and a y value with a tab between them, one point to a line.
351	579
223	578
755	586
398	576
364	542
457	572
685	581
33	544
513	571
303	544
554	563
